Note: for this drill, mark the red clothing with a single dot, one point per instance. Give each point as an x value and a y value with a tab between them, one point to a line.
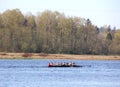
49	65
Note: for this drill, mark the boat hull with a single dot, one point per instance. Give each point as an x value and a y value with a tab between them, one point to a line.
64	66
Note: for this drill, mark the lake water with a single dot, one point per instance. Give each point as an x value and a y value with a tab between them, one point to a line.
35	73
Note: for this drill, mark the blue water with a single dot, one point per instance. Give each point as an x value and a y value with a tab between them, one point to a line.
35	73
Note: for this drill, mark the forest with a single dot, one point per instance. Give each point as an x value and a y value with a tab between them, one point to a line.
54	32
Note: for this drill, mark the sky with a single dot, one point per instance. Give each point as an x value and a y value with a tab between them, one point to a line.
100	12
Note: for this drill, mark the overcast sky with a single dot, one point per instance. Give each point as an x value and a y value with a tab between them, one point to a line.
100	12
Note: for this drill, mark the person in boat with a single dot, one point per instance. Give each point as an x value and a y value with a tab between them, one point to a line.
73	64
67	64
63	63
58	63
49	64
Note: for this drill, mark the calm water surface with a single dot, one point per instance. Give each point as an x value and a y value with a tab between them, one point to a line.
35	73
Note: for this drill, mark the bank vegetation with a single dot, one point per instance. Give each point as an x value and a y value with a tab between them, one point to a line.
55	33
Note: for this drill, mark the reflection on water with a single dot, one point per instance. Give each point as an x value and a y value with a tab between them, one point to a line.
35	73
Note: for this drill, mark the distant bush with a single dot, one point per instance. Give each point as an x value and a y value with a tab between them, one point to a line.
27	55
3	54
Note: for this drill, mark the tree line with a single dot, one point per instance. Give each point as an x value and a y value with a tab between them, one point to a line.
53	32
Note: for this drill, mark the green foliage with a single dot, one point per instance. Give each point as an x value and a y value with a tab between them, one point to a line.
12	18
53	32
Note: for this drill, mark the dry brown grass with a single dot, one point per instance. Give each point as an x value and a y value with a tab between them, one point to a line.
57	56
43	54
3	54
27	55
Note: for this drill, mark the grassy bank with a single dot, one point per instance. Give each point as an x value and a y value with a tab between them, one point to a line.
4	55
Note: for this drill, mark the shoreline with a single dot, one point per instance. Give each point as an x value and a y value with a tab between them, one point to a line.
4	55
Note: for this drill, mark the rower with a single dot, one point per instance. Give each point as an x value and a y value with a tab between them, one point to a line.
49	65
